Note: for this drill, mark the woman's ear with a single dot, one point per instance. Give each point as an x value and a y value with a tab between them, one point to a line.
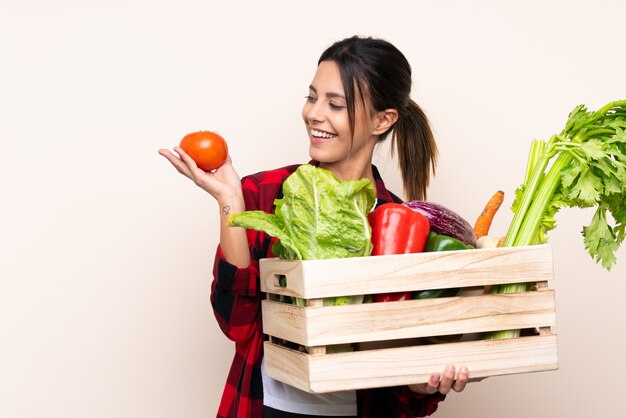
384	120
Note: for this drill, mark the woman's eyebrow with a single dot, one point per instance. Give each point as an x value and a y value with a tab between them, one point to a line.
330	94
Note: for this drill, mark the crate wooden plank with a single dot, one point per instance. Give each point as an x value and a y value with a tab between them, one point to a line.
408	319
395	273
408	365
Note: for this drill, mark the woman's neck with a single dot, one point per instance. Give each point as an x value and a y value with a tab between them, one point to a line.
348	170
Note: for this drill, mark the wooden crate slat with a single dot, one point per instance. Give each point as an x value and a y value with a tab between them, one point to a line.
408	319
409	365
392	331
394	273
297	372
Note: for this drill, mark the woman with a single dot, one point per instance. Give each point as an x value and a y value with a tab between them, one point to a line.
359	95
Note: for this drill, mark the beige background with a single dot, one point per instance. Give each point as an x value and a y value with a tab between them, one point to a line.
106	252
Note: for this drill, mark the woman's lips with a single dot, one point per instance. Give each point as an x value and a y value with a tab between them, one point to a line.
316	140
319	137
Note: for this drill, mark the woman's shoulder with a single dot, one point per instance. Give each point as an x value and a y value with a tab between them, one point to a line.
273	176
262	188
267	182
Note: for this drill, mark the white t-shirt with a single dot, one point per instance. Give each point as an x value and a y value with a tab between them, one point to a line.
287	398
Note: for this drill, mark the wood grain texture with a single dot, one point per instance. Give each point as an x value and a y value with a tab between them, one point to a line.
409	365
408	319
395	273
389	334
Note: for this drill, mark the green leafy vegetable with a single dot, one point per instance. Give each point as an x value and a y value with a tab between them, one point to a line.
319	217
588	170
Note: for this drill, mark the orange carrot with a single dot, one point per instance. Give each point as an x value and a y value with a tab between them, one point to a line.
501	241
483	223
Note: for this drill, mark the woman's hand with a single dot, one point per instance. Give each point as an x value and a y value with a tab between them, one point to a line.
444	382
223	183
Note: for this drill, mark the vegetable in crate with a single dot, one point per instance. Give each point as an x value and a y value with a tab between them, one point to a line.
319	217
483	223
396	229
444	221
439	242
588	170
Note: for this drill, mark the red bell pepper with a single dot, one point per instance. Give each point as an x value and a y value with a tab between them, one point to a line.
397	229
392	297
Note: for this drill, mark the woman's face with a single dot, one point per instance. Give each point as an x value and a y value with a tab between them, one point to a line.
326	119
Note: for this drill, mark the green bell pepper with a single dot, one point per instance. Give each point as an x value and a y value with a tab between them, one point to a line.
437	242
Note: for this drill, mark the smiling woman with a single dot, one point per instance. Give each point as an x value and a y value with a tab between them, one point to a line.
360	94
337	145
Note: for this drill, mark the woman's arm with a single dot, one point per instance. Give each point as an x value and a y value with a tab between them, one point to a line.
233	240
224	185
235	294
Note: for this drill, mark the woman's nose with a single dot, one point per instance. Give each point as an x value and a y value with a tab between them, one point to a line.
313	112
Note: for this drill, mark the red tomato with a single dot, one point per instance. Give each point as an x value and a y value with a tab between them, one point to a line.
208	149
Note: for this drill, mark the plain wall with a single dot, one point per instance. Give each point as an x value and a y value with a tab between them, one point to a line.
106	251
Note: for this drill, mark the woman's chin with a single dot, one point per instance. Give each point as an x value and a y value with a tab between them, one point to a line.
319	155
315	153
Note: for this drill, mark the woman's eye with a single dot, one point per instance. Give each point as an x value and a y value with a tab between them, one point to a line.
335	106
310	99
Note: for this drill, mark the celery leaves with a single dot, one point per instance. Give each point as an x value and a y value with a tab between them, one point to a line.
600	240
588	170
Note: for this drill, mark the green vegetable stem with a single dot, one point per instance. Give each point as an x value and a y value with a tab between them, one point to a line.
588	170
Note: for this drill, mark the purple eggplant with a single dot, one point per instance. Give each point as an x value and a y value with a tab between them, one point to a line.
444	221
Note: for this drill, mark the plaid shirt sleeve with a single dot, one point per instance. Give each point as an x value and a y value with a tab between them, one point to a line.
236	301
234	292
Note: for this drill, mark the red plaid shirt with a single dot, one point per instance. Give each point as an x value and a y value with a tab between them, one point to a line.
236	300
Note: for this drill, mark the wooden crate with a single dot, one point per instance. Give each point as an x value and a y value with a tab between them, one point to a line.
388	337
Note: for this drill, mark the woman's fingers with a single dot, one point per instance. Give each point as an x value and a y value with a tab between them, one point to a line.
196	173
429	387
186	165
433	383
461	380
180	165
220	183
447	379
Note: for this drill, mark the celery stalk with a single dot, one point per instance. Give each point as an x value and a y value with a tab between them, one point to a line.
589	170
532	219
527	200
537	148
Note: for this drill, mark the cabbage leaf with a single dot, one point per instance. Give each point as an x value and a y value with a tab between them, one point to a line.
319	216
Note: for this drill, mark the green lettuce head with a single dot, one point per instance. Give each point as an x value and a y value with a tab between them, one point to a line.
319	216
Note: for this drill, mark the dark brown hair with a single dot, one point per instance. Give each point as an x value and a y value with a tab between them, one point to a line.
376	69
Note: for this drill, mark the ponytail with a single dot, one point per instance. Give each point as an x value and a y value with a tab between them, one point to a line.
417	151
